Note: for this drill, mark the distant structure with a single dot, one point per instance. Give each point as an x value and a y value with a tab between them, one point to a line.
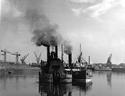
109	63
37	58
24	58
17	56
4	53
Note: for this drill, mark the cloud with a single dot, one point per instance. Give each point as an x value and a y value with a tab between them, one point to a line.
83	1
77	11
99	8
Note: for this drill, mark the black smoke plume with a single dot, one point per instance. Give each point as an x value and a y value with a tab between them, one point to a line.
47	36
44	33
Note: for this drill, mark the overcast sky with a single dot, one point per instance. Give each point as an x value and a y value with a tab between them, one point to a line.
99	25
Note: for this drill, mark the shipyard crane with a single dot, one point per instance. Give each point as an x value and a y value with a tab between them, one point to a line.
5	55
17	56
24	58
109	60
37	58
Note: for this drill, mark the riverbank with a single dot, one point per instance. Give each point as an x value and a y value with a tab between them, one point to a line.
7	68
118	69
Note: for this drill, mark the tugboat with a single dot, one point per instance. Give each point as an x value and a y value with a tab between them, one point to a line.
53	71
84	74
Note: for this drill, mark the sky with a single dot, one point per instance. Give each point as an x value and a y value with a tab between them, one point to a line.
98	25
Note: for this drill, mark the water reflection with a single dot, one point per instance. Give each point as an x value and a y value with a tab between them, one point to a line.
11	79
82	88
48	89
109	78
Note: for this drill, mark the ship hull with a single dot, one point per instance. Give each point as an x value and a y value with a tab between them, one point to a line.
82	76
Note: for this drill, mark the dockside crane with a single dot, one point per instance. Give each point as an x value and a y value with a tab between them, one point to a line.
24	58
5	55
37	58
17	56
109	63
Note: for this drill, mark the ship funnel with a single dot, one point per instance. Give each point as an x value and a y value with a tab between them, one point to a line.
56	51
70	59
48	53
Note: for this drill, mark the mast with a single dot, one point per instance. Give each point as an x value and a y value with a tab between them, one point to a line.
80	48
80	55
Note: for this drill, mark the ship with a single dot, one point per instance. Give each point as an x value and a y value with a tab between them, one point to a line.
53	71
82	76
83	73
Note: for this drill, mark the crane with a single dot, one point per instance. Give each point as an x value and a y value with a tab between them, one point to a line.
5	55
37	58
24	58
109	60
17	56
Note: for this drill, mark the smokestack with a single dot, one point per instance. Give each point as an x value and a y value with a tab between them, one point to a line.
70	59
56	51
48	53
62	52
89	60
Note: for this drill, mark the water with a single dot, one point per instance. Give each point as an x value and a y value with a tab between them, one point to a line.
104	84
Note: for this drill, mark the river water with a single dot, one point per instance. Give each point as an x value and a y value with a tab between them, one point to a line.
104	84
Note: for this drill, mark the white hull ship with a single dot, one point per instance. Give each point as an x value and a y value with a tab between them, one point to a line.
80	73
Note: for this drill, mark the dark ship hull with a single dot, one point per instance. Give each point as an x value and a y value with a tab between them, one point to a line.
53	71
82	76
